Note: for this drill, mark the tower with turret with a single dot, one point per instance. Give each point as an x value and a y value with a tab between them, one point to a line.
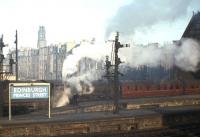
41	37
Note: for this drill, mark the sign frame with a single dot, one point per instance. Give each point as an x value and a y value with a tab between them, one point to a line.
29	85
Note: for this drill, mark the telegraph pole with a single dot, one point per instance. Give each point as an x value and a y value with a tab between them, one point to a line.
56	63
116	73
2	45
16	63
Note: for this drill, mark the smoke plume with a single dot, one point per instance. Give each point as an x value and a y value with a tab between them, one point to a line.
92	52
146	13
80	74
61	98
185	55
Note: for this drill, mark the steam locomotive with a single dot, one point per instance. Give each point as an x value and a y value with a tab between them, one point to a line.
139	82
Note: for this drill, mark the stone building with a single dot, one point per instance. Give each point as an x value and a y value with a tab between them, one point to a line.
27	63
40	64
43	63
51	61
193	31
193	28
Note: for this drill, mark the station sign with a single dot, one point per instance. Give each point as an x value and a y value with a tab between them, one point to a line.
28	91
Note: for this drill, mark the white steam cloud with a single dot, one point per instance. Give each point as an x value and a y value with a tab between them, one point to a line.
93	52
81	75
186	56
61	98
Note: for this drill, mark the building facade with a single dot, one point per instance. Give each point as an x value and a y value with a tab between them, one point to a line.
51	59
43	63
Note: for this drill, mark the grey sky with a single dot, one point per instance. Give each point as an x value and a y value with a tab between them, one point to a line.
67	20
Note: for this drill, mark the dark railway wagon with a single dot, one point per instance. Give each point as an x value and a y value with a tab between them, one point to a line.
104	90
130	90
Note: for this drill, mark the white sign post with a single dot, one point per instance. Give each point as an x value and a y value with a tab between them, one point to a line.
18	91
